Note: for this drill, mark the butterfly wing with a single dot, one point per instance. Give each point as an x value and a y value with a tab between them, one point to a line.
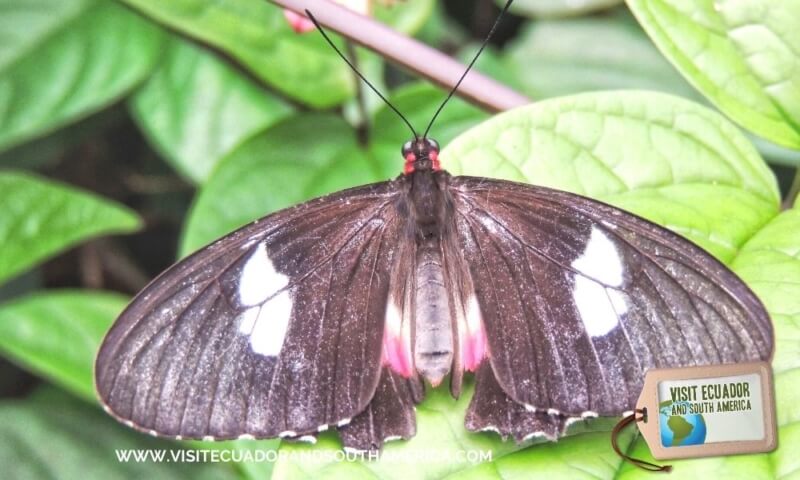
274	330
579	298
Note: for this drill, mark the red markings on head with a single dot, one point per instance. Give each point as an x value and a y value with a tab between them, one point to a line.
409	166
434	156
421	154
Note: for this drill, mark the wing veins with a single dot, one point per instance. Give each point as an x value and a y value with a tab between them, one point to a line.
532	365
369	295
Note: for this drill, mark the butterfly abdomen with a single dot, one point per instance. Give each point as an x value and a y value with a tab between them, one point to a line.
433	338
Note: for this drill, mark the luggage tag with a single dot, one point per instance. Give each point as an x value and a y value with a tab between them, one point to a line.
704	411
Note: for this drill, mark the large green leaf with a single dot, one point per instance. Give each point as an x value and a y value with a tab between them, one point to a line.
257	35
63	59
57	333
195	108
53	436
559	57
662	157
302	157
668	159
41	218
744	55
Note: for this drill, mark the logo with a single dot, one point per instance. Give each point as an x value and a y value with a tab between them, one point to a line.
680	424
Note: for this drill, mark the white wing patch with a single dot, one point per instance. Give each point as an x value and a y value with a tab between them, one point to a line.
600	307
600	260
267	325
259	278
265	322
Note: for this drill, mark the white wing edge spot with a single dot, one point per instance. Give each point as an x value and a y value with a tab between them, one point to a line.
208	438
246	436
287	433
540	433
344	422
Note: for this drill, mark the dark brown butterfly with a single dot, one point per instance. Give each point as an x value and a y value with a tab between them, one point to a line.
334	312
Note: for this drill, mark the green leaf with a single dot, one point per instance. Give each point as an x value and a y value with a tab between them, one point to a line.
558	8
559	57
41	218
744	55
53	436
407	16
195	108
770	263
56	334
61	60
662	157
258	36
302	157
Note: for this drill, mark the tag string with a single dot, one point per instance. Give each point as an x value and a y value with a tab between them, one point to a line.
644	465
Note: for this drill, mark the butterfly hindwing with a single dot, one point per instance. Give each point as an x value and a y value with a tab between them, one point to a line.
389	416
273	330
491	409
579	298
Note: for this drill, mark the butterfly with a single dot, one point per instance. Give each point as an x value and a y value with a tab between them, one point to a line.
336	312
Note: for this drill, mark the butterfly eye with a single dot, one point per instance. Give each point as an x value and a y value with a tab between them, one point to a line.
408	148
432	144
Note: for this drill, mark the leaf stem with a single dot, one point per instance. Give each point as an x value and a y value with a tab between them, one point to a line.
409	53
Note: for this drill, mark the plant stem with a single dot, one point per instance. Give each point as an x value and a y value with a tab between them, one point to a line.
409	53
794	191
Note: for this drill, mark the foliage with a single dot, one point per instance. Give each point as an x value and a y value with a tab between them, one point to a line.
250	117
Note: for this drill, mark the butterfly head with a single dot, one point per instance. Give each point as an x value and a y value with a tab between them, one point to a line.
421	154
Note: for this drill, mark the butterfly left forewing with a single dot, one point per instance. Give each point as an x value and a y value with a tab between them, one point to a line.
273	330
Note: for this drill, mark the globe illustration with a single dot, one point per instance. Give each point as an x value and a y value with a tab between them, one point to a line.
680	430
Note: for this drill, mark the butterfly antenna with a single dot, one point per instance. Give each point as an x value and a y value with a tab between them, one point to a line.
469	67
353	67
